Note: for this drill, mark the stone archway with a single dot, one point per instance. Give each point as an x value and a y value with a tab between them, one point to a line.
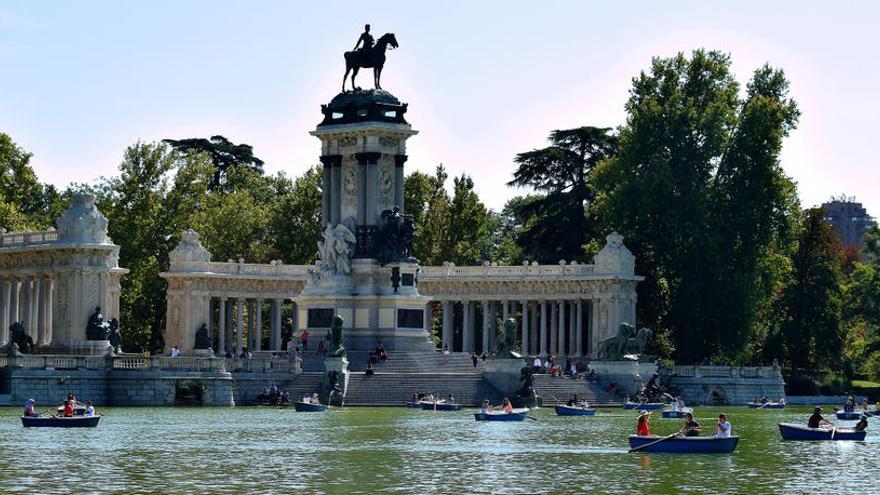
718	396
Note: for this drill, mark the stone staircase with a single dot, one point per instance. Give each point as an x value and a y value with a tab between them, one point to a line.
553	390
393	389
298	386
415	362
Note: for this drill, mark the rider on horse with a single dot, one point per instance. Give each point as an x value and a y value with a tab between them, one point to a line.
367	40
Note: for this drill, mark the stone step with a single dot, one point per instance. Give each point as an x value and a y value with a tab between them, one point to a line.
298	386
553	390
393	389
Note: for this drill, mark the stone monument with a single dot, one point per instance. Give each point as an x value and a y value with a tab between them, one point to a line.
365	273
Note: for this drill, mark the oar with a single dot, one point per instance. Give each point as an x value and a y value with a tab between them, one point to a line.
833	431
526	415
640	447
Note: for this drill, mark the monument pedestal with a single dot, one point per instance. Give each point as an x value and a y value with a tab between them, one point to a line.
629	376
504	375
340	366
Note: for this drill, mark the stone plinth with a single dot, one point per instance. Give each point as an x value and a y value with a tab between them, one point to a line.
629	376
340	366
504	375
89	347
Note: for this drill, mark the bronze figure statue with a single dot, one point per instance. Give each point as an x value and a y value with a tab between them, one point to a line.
115	336
367	56
337	348
18	336
97	328
203	338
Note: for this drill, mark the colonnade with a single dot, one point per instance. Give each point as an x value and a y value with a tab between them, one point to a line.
27	299
236	323
566	327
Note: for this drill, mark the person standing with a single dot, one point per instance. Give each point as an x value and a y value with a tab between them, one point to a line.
475	359
304	338
446	353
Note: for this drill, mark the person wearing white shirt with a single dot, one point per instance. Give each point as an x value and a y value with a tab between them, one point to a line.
90	409
536	365
175	351
723	429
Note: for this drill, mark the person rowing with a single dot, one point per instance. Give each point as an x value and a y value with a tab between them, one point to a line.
506	406
486	408
29	408
691	428
722	429
816	420
862	424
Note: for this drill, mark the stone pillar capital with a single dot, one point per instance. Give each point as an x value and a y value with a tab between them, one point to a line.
331	160
366	157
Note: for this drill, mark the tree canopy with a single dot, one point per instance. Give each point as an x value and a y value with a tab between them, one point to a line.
224	154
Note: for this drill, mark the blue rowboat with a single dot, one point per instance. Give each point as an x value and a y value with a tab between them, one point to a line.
766	405
850	415
516	415
440	406
669	413
414	405
304	407
60	421
645	406
791	431
685	445
563	410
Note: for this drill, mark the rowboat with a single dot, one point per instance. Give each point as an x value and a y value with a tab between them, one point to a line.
643	406
854	414
516	415
60	421
669	413
307	407
414	405
766	405
440	406
682	445
564	410
791	431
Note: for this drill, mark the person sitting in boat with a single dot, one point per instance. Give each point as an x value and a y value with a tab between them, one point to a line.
680	402
781	401
584	404
90	409
691	428
765	400
68	409
862	424
571	401
72	399
450	399
486	408
864	405
816	420
315	399
642	428
722	429
29	408
506	406
848	407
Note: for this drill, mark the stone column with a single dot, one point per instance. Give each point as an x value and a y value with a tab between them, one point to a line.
14	295
486	329
50	311
221	328
533	327
258	335
594	327
544	328
427	318
249	309
505	312
579	329
446	338
39	316
572	334
493	325
561	333
276	325
239	327
370	160
209	303
326	191
34	316
554	328
399	160
467	336
25	311
525	328
4	311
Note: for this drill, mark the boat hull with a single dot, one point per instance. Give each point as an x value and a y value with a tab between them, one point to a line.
440	406
516	415
647	406
674	414
848	415
685	445
414	405
303	407
769	405
60	422
792	431
574	411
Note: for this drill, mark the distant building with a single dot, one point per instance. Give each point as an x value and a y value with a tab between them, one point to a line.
849	219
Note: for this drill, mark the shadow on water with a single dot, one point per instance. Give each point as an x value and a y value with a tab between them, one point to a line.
358	450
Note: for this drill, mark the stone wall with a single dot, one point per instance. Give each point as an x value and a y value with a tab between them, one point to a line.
730	385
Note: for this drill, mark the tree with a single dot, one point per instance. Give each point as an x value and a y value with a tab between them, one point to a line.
25	203
295	218
560	171
813	332
468	240
698	193
224	154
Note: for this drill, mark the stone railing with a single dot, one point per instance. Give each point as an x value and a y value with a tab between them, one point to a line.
21	239
505	272
151	363
725	371
275	269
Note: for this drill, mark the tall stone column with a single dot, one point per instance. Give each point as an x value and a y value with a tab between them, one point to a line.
533	327
327	191
561	350
34	315
544	335
25	315
209	303
579	329
486	329
221	327
427	318
572	333
554	328
369	161
505	312
525	327
446	338
39	313
258	323
14	301
249	310
239	327
5	287
493	325
276	325
399	160
467	336
594	327
50	311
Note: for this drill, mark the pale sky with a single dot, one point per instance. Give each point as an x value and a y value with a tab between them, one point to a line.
80	81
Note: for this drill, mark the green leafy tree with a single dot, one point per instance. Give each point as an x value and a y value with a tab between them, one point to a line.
25	203
425	198
813	332
697	191
295	218
468	240
224	154
561	226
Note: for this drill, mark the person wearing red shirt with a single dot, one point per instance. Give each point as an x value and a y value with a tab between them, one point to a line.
642	428
68	409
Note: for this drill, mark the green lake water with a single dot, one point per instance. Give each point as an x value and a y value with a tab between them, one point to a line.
361	450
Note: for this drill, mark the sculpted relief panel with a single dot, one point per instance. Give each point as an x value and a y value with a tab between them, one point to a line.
349	189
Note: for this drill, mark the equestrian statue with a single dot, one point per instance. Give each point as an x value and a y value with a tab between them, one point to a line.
366	55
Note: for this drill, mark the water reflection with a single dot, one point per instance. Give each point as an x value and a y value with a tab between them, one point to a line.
229	450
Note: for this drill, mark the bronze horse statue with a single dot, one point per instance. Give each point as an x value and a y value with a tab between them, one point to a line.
375	58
